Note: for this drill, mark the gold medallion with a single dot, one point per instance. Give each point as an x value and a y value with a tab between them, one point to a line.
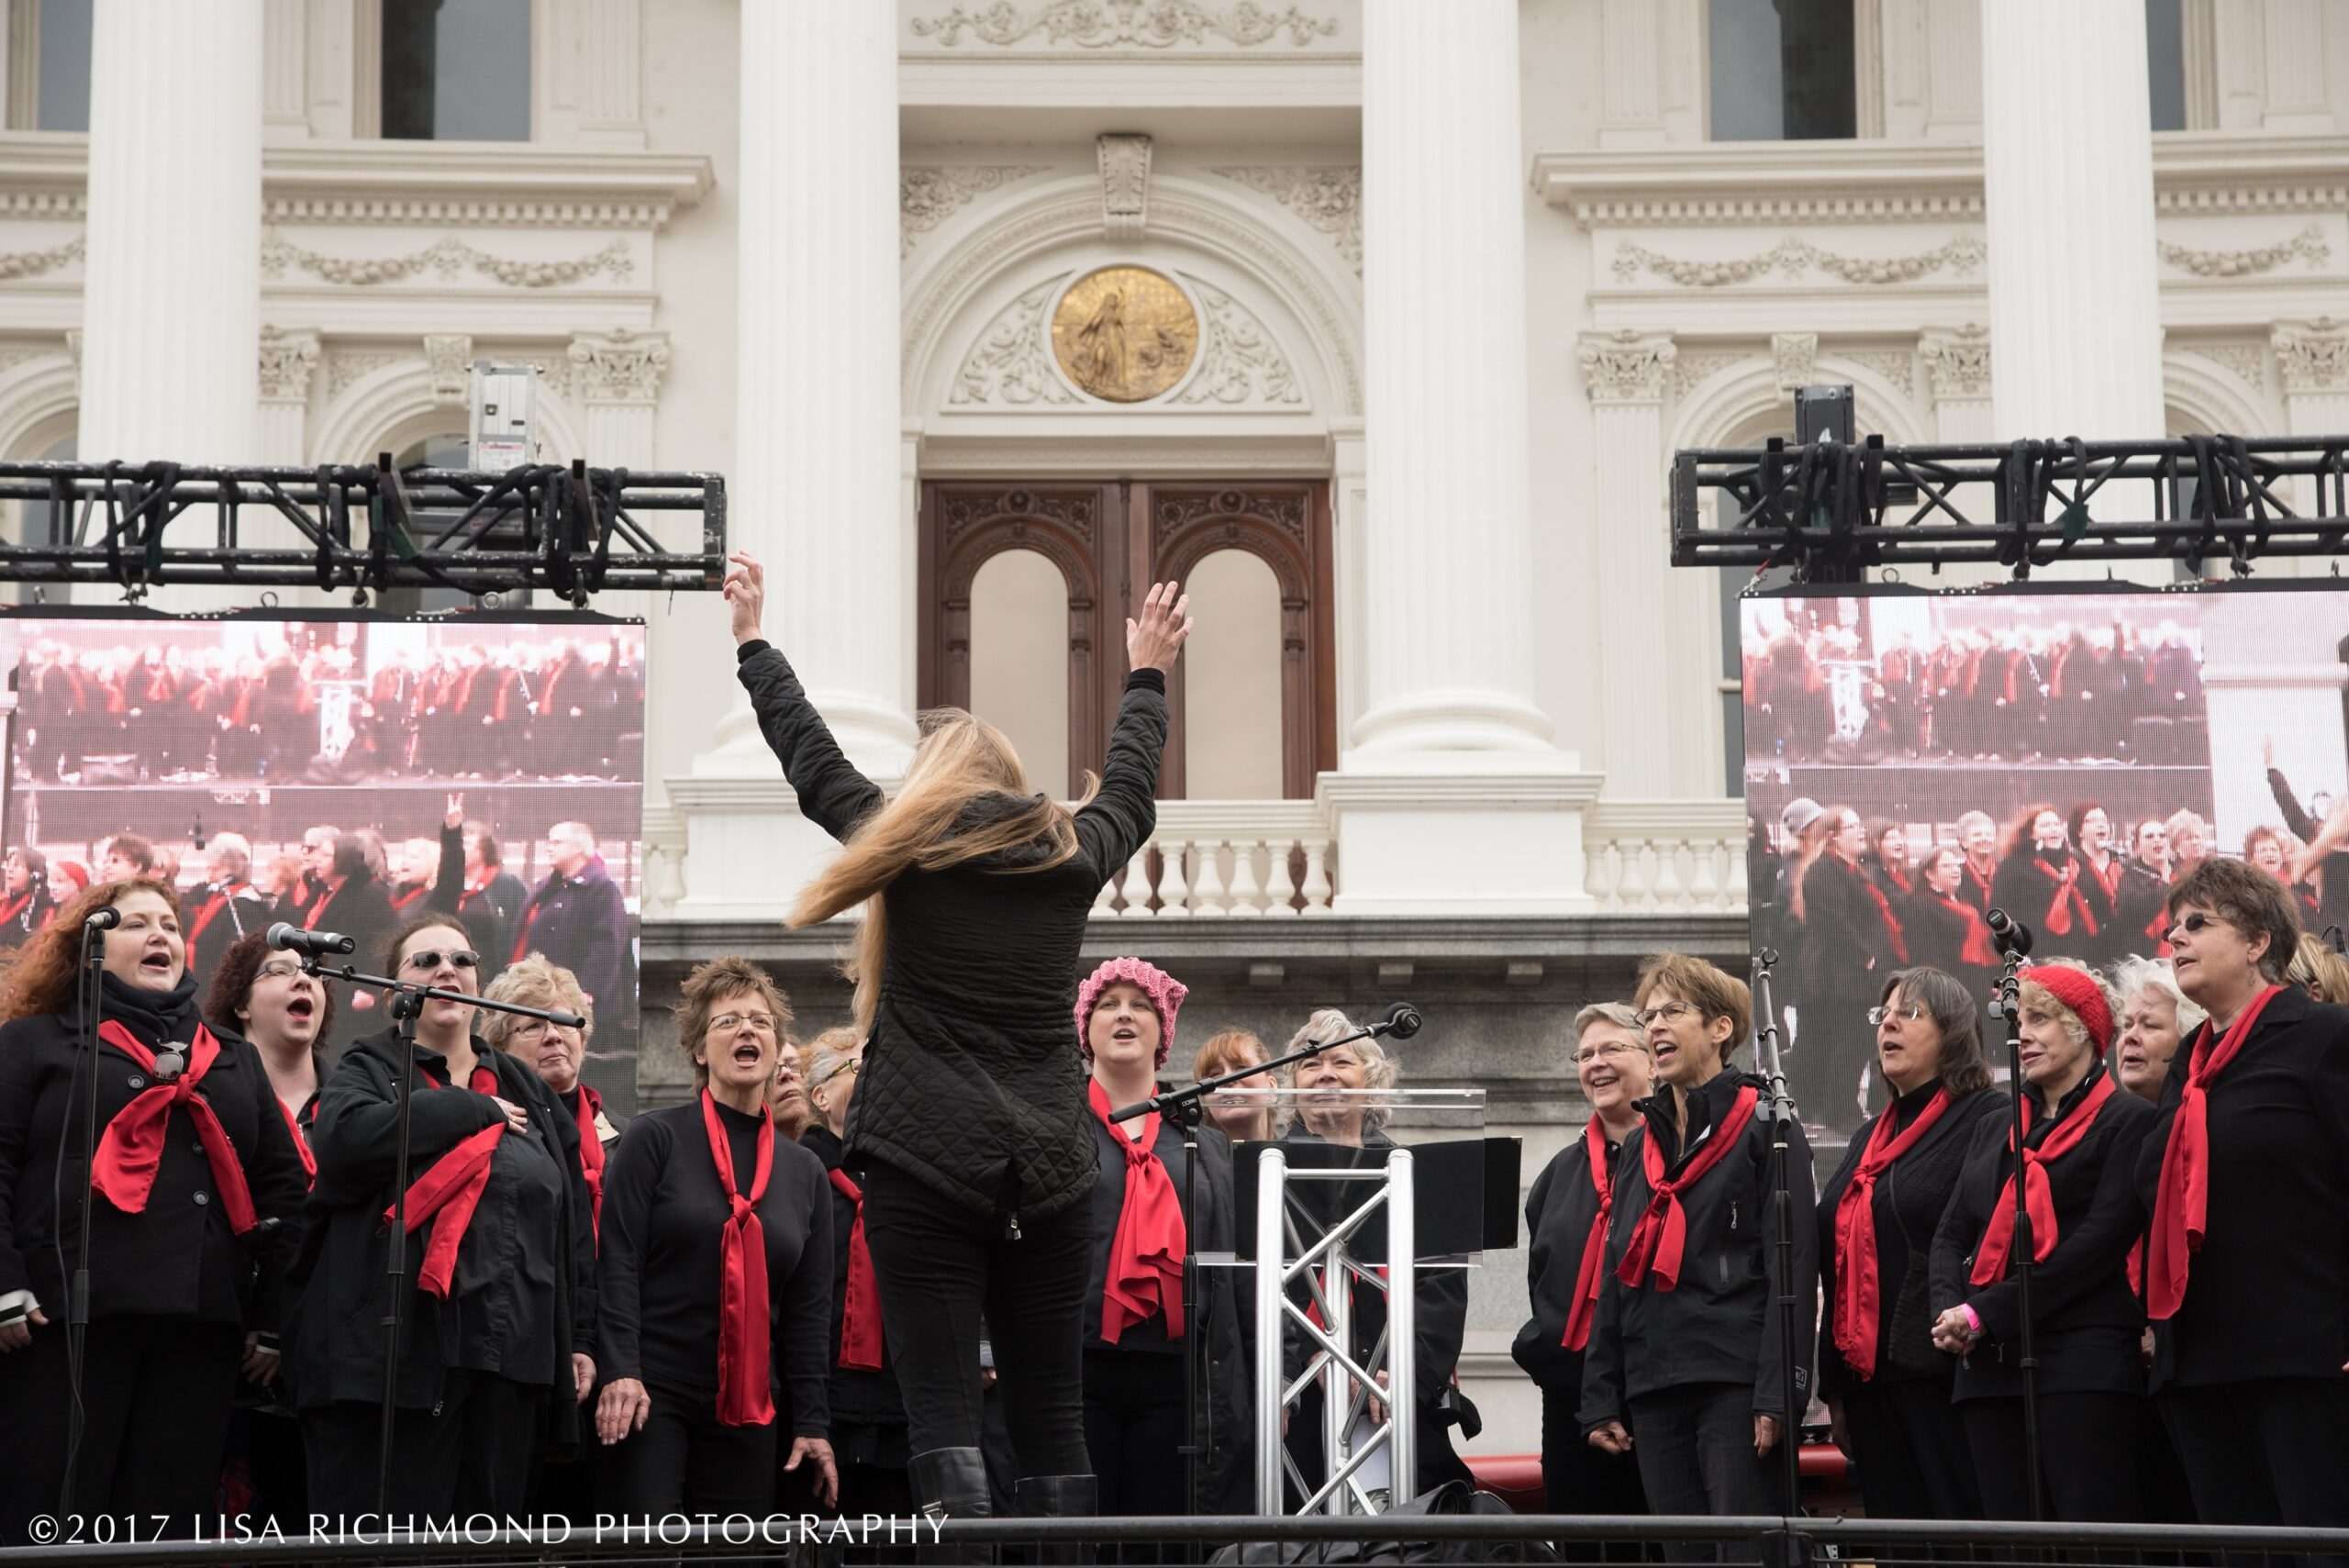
1125	334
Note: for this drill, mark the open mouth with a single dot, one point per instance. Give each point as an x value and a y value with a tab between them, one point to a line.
157	963
301	1007
1125	1036
746	1054
1601	1081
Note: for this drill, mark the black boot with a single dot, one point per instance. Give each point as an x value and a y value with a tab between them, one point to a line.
950	1483
1058	1497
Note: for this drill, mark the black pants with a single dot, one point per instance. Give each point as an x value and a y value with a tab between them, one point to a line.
156	1396
1579	1479
684	1460
2086	1456
1909	1444
940	1268
281	1473
1694	1448
476	1451
2266	1451
1134	1430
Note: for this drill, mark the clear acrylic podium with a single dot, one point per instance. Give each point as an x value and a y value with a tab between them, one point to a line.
1365	1189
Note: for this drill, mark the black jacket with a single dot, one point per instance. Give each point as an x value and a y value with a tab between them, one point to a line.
360	909
215	916
489	914
2086	1319
580	922
1846	946
2142	910
177	1257
2025	892
1910	1197
335	1338
1720	1325
1938	929
859	1397
1559	1212
971	1080
2274	1253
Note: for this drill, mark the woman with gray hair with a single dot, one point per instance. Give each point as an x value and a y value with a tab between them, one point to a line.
558	1053
2155	1019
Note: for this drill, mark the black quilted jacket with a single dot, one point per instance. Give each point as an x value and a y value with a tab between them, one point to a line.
971	1079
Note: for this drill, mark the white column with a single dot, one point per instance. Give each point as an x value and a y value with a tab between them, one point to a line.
171	306
813	486
1452	797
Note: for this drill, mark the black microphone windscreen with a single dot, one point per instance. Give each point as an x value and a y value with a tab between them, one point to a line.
1402	1020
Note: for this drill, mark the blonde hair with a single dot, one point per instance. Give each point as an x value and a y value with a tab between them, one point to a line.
534	982
961	759
2316	968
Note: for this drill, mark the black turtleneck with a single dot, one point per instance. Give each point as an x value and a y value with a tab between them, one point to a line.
150	1015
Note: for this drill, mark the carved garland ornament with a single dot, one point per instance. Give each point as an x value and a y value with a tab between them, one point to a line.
927	194
1240	363
448	257
2307	244
1111	24
33	264
1793	257
1328	199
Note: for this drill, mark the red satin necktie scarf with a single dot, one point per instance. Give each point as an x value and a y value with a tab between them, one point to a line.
132	1150
1145	1274
861	1342
591	1156
1858	1294
301	1143
1891	921
1662	1234
745	1327
1593	1268
2182	1202
1998	1240
451	1188
2068	903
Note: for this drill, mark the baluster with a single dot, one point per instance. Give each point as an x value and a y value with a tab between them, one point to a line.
1174	890
1280	882
1206	893
1736	890
1598	875
1639	851
1705	884
1670	892
1245	889
1317	877
1137	886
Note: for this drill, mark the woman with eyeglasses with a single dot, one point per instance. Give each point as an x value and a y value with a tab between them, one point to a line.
1684	1370
2080	1138
2248	1182
1885	1385
498	1315
717	1278
868	1430
557	1053
1946	931
1566	1217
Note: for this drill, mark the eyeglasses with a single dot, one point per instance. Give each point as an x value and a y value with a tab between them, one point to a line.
1613	1048
851	1068
2191	922
431	958
1668	1011
280	970
762	1022
1908	1010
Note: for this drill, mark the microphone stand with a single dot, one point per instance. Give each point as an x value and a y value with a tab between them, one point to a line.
2024	1255
1782	1199
407	1001
91	997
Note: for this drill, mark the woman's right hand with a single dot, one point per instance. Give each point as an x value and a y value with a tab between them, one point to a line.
1153	641
621	1410
16	1336
1612	1437
746	595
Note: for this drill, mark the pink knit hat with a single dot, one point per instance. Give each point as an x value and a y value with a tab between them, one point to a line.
1164	991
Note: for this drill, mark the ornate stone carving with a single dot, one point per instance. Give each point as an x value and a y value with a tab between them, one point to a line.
1626	366
1125	184
1329	199
1239	364
1008	364
1797	354
33	264
1793	256
1897	366
2247	362
448	257
2312	356
1690	370
345	368
2307	244
1130	24
927	194
959	513
1175	515
287	361
449	359
1957	361
620	367
73	352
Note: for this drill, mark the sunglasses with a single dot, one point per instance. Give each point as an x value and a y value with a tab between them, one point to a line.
2192	921
431	958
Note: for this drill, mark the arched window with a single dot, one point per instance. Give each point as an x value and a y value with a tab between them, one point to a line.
1019	660
1231	680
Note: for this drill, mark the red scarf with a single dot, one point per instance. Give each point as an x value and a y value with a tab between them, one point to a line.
1593	1269
591	1156
1998	1241
1979	947
1145	1276
861	1342
2069	902
401	900
204	916
745	1327
318	909
1662	1234
475	889
1858	1295
2182	1202
1891	921
2109	882
15	907
1981	883
522	934
301	1143
452	1187
132	1150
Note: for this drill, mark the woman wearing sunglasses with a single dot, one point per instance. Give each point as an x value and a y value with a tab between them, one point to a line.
499	1315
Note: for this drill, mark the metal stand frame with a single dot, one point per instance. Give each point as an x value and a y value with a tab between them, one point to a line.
1346	1384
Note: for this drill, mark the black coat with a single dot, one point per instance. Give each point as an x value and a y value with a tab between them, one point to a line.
580	922
971	1080
1938	929
2026	892
489	914
2142	910
215	916
360	909
1906	1210
2269	1292
176	1258
1559	1212
861	1399
335	1337
1846	946
2086	1318
1721	1324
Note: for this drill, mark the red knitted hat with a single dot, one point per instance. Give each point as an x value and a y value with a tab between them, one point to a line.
1165	993
2078	990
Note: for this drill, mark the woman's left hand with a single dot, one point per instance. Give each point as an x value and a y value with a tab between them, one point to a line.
1954	1331
828	1476
1765	1435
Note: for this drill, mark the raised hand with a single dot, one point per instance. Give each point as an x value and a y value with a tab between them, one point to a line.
455	815
1154	641
746	595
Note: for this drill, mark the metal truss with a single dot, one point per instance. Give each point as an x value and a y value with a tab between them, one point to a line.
1828	509
571	533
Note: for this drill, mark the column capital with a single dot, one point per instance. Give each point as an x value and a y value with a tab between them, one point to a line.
1957	360
620	367
2311	356
449	357
287	361
1626	365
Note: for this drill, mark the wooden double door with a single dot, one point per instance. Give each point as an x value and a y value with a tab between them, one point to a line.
1109	540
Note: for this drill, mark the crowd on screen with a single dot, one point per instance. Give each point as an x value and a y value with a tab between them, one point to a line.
553	709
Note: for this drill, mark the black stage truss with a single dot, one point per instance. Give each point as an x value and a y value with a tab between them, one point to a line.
571	533
1828	509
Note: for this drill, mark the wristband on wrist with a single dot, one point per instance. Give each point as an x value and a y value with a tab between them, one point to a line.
1973	1318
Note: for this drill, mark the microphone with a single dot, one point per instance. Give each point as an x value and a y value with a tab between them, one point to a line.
2012	936
287	937
1402	1021
105	919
